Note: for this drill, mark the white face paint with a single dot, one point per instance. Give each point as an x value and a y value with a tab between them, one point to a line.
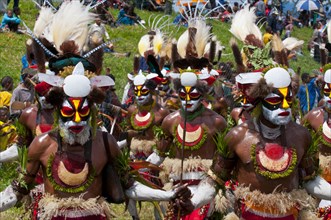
193	98
276	106
143	95
279	116
72	137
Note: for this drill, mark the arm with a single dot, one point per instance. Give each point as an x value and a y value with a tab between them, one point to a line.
319	188
139	191
20	187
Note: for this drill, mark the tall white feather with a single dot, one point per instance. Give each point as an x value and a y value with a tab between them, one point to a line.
71	23
143	44
182	44
243	24
158	42
45	19
200	41
202	36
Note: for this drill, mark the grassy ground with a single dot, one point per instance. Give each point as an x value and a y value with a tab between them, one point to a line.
12	48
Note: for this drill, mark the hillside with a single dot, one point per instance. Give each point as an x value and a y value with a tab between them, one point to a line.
12	45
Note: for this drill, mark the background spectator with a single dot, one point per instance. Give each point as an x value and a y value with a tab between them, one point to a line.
309	93
7	85
10	21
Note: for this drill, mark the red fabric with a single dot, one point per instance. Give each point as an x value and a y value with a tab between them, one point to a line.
247	215
91	217
197	214
45	128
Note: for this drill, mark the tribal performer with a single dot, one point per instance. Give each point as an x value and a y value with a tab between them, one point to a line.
319	119
143	116
186	135
192	128
270	156
79	162
244	83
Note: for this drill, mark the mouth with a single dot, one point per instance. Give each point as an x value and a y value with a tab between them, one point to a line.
189	105
284	114
76	129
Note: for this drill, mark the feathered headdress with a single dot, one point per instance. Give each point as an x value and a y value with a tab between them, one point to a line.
62	35
254	54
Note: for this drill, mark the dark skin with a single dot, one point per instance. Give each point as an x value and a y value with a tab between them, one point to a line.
209	120
29	116
315	119
159	112
239	113
45	145
240	140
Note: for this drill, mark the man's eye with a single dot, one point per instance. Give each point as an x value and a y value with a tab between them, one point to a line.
182	95
84	111
67	111
274	100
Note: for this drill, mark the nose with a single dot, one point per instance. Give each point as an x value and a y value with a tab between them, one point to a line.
77	118
285	104
188	97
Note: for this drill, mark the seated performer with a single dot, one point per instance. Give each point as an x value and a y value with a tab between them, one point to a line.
270	156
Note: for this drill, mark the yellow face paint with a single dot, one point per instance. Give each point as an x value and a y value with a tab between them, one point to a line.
284	92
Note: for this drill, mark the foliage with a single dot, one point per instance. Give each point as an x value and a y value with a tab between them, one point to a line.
222	143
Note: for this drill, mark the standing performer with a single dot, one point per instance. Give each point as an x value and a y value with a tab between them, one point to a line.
319	119
201	126
75	159
270	156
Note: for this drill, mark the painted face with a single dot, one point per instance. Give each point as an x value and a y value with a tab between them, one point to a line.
164	86
192	96
142	94
327	95
74	113
276	107
247	102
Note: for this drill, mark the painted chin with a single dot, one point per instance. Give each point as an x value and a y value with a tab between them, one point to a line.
76	129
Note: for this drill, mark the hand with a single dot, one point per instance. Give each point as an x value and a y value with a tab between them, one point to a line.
7	199
182	202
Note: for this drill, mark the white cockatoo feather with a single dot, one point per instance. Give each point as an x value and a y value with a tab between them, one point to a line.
45	19
243	24
71	23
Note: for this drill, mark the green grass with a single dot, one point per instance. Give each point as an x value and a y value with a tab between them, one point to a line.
12	48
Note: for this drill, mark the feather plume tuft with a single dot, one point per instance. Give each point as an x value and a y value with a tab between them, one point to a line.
243	24
70	23
45	18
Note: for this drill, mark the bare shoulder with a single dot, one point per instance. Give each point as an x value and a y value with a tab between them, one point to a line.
171	118
41	144
237	133
28	113
313	115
